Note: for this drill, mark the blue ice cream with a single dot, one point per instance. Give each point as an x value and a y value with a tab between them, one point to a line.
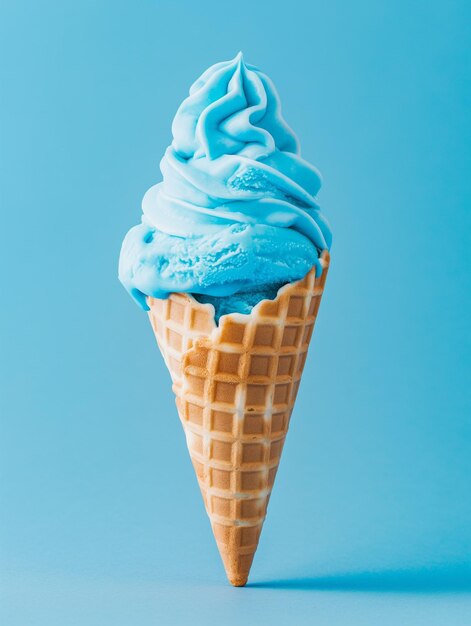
235	215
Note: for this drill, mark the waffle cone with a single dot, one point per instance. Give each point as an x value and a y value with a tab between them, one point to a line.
235	386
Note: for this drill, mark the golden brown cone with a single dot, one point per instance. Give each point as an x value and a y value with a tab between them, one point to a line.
235	386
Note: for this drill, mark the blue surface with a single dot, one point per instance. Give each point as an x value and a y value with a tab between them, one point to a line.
374	482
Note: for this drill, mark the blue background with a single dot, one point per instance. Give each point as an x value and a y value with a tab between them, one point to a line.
102	521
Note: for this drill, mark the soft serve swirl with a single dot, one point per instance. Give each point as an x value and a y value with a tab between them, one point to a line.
236	209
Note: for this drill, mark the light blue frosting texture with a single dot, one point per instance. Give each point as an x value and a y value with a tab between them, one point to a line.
236	210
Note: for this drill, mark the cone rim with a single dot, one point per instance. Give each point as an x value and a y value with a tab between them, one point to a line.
241	317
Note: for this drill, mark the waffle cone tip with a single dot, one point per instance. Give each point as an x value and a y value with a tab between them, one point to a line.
237	567
238	582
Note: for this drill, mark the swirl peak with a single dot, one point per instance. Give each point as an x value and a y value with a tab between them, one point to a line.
232	108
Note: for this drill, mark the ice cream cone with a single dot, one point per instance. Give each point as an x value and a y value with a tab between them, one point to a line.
235	386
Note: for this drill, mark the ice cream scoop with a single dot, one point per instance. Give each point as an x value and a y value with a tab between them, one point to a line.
235	213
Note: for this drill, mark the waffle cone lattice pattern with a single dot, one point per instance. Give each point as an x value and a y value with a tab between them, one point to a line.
235	388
